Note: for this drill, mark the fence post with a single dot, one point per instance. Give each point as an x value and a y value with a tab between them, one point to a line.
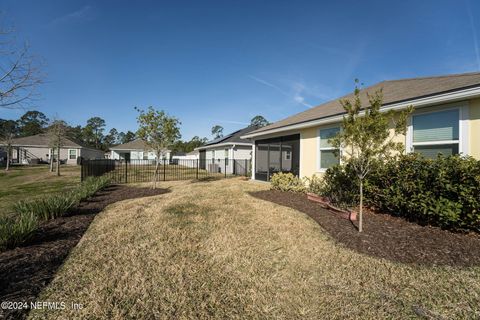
81	170
246	168
126	171
225	166
197	168
164	168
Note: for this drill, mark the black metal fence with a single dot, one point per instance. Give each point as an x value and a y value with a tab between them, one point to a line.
121	171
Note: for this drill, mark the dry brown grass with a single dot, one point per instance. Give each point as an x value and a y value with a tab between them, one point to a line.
210	250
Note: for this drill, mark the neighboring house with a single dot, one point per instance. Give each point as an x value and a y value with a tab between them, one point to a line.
188	159
446	120
215	155
35	149
134	150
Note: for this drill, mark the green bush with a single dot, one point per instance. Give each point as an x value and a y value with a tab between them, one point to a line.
315	184
57	205
15	231
341	186
47	208
287	182
444	192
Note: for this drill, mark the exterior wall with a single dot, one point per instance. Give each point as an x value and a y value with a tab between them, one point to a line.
90	154
241	152
43	154
309	141
474	126
134	154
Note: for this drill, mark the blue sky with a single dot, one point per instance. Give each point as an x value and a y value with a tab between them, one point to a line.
223	62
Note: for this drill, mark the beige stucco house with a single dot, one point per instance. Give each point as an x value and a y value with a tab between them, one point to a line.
446	120
35	149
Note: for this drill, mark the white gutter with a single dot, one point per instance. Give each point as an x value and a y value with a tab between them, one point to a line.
418	103
223	144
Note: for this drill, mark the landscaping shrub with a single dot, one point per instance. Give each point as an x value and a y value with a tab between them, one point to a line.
341	186
56	205
15	231
287	182
315	184
47	208
444	192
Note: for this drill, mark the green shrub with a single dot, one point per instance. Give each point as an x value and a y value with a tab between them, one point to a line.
287	182
315	184
47	208
14	232
444	192
57	205
341	186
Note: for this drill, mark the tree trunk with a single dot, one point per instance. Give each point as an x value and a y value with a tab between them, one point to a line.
155	175
360	213
51	159
9	151
58	161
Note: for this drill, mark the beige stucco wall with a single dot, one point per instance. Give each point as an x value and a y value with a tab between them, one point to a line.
474	126
309	152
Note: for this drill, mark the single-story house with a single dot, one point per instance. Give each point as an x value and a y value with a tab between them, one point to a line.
35	149
446	120
216	154
134	150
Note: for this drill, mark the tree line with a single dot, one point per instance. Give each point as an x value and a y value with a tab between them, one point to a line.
92	134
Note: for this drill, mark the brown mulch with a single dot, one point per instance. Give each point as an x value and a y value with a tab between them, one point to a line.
388	237
26	270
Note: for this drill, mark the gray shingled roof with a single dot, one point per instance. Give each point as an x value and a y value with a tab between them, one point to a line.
43	140
394	91
232	138
137	144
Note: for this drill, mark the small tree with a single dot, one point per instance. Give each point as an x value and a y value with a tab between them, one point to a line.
159	131
366	138
217	131
57	133
8	131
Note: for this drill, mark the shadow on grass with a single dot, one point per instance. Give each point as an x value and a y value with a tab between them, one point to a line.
26	270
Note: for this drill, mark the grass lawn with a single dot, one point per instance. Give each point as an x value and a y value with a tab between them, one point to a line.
210	250
25	182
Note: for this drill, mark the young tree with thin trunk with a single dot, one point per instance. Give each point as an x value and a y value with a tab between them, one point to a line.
57	133
368	136
8	131
159	131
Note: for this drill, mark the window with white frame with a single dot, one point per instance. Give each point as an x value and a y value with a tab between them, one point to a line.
436	132
72	154
328	157
288	154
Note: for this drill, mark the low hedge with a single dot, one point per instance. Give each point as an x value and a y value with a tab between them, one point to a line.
16	230
287	182
444	192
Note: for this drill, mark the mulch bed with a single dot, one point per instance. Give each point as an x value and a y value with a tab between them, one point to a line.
26	270
388	237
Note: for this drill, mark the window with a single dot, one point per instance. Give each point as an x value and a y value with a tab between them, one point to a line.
72	154
327	152
436	132
288	155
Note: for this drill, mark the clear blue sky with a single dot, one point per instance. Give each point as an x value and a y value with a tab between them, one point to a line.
223	62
